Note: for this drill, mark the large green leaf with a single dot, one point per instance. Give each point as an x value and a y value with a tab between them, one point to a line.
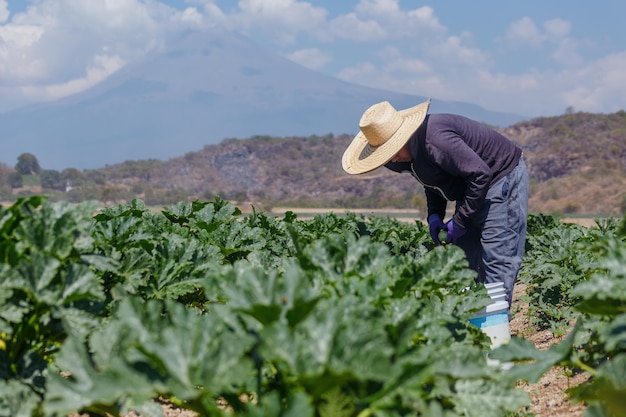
605	292
268	296
153	348
480	398
101	388
338	343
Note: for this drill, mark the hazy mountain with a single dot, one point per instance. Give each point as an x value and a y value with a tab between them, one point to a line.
205	87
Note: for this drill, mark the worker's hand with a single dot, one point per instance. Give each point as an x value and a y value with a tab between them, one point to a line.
454	231
435	224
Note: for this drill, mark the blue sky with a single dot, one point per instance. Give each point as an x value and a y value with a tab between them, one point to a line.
534	58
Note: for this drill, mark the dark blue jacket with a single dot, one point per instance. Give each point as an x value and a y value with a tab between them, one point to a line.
457	159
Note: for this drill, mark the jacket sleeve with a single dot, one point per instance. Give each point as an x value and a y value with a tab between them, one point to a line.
456	158
435	203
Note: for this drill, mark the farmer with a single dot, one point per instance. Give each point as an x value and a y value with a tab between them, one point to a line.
455	159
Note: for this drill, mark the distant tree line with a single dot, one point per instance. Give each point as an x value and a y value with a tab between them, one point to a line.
27	177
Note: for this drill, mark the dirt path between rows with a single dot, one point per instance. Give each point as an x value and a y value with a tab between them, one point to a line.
548	395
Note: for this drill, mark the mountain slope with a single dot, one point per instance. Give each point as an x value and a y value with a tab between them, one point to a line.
577	161
206	86
577	165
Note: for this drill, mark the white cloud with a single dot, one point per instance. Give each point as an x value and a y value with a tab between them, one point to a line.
62	36
566	53
372	21
597	87
214	14
283	19
411	67
351	27
530	92
378	7
557	28
375	20
59	47
407	75
191	15
508	92
524	32
18	60
397	21
418	55
452	51
4	11
20	36
361	73
98	69
310	57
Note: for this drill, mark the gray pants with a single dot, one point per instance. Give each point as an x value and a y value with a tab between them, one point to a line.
494	242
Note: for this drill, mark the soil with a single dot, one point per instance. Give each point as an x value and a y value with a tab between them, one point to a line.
548	396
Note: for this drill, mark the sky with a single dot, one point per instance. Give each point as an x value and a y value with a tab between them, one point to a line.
533	57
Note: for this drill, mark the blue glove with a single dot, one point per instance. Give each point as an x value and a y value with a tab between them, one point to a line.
454	231
435	224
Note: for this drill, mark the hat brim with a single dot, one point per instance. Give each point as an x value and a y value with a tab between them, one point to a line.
360	157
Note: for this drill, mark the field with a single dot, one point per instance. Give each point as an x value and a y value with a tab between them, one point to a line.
198	309
548	395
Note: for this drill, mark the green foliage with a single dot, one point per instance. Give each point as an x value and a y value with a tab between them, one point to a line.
555	263
47	291
72	177
15	180
51	178
147	349
5	188
200	306
586	268
95	176
142	169
31	180
27	164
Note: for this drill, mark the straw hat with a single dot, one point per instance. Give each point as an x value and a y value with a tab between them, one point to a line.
384	131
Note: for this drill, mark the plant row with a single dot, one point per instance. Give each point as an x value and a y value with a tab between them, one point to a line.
104	311
576	287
